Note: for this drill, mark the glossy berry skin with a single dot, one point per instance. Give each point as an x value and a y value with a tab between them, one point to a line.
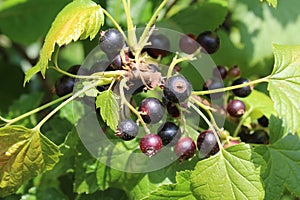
151	144
111	41
244	91
188	43
212	84
257	137
236	108
220	72
263	121
152	110
127	130
169	133
64	85
207	143
160	46
177	89
185	148
209	41
234	71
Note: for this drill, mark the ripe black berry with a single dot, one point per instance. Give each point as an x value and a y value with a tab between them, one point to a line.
127	129
169	133
152	110
234	71
64	85
244	91
188	44
263	121
212	84
257	137
177	89
150	144
160	46
236	108
220	72
116	63
185	148
207	143
111	41
209	41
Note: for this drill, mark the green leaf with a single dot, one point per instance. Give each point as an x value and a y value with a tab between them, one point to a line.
180	190
284	85
26	21
276	129
109	108
233	173
24	153
260	104
271	2
190	19
80	19
283	167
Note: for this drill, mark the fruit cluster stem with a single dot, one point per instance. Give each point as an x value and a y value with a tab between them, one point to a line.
265	79
241	122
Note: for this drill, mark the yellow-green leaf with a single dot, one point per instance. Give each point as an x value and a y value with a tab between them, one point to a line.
24	153
271	2
80	19
284	85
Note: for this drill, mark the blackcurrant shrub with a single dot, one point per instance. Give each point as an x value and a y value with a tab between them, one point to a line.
152	110
209	41
127	129
263	121
244	91
160	46
169	133
234	71
220	72
111	42
212	84
236	108
177	89
185	148
150	144
188	44
207	143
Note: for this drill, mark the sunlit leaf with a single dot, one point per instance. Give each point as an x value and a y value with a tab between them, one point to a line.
80	19
24	153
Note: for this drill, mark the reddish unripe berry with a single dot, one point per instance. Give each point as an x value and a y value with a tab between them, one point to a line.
185	148
151	144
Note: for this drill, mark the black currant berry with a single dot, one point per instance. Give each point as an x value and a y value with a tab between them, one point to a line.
127	130
169	133
263	121
160	46
150	144
220	72
64	85
188	44
152	110
177	89
116	63
234	71
207	143
212	84
236	108
257	137
209	41
111	41
244	91
185	148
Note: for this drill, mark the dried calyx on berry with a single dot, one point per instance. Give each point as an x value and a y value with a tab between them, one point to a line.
150	144
177	89
127	129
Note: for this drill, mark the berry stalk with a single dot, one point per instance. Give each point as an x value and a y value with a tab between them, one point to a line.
261	80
